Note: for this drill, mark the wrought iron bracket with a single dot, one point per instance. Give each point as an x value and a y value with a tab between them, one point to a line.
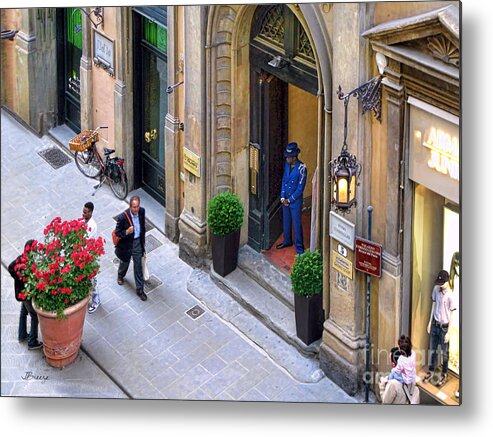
369	94
98	13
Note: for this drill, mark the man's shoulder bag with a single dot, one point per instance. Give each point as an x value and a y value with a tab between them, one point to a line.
116	239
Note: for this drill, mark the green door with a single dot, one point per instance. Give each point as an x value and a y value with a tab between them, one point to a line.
70	43
152	104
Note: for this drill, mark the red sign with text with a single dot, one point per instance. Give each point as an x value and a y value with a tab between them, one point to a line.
368	257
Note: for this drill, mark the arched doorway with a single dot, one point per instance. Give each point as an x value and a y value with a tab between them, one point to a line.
283	108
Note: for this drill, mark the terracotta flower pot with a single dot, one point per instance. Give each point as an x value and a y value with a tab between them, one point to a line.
62	337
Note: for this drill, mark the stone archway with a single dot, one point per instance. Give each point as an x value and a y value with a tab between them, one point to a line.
228	112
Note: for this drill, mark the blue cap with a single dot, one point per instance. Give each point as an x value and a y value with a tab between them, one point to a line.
292	150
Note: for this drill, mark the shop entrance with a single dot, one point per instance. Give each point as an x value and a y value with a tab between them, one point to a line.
151	103
69	40
283	109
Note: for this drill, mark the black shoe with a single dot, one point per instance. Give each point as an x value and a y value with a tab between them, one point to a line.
119	280
142	295
23	339
37	345
283	245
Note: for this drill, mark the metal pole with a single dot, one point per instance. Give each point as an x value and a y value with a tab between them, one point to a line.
367	370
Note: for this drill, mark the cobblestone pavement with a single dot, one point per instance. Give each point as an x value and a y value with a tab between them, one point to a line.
130	348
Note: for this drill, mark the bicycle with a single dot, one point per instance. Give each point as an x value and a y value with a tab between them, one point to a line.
91	164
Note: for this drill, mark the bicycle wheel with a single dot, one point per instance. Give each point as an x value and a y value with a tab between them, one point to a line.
120	186
88	163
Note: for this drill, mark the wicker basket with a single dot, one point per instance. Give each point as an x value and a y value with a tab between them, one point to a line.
83	140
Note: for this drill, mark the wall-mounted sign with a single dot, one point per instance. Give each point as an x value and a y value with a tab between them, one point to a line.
104	52
434	149
342	265
342	282
342	230
191	162
342	250
368	257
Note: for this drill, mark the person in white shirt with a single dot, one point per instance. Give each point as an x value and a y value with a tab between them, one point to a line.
92	232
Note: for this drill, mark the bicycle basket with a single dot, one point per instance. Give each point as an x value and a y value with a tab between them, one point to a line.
82	141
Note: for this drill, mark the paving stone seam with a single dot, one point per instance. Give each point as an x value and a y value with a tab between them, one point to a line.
315	377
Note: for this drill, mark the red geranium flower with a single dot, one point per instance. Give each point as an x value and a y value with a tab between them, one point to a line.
63	265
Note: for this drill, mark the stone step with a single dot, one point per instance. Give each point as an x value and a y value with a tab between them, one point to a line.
302	368
268	275
266	307
62	135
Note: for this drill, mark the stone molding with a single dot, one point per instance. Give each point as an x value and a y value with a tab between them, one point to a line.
353	342
391	264
221	104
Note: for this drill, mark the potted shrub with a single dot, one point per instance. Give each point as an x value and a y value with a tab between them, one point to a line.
306	280
225	217
57	276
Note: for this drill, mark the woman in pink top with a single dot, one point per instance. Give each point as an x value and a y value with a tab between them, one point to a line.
405	369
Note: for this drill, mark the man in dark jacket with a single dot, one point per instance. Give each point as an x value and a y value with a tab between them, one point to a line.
26	307
130	227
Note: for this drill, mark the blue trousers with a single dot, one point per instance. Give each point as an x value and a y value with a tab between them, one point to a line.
438	339
291	219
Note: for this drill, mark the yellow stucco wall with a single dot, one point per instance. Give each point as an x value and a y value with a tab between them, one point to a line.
387	11
103	110
10	19
302	128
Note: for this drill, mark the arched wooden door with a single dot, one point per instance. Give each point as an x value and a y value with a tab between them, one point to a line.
280	54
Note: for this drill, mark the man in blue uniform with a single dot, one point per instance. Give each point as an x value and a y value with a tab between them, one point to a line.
293	184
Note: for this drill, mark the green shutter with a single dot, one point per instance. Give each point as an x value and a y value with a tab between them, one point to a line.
74	27
156	35
162	38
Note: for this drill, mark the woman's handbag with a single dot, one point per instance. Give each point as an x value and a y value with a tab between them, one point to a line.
145	270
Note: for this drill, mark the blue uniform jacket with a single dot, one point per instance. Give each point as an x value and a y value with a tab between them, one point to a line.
293	184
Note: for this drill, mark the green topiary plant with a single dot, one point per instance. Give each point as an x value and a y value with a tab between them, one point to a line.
306	277
224	213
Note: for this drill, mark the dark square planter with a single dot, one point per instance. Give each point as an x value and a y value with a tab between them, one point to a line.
225	252
309	317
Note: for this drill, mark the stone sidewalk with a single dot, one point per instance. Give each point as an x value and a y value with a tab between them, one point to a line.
130	349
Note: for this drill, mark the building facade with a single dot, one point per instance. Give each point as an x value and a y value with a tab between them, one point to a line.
202	99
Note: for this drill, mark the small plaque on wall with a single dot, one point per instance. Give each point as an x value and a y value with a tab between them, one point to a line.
342	282
104	52
342	265
191	162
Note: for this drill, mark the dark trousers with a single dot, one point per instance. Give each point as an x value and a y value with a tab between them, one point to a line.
291	218
438	339
32	338
137	259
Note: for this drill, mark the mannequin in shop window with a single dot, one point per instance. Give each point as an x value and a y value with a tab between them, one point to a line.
438	328
454	331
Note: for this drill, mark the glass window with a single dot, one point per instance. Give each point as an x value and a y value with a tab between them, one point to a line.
156	35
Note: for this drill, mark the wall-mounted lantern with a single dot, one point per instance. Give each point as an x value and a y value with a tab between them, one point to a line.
345	169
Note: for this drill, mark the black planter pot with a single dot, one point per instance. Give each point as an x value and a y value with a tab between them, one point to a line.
309	317
225	252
